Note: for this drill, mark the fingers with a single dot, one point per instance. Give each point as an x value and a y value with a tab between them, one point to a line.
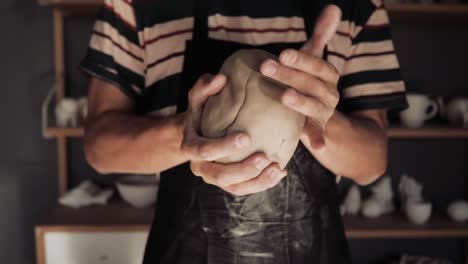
324	29
196	147
206	86
304	62
199	148
305	83
269	178
231	174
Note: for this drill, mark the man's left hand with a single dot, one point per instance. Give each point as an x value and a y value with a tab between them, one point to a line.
312	81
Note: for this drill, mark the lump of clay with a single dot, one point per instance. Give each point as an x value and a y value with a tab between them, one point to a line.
250	102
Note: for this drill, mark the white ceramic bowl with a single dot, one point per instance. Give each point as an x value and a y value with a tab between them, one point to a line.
418	212
138	190
458	211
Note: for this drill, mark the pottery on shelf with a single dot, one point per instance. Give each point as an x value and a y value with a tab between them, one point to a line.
458	211
352	201
418	212
421	108
67	113
382	190
381	200
410	189
71	112
373	208
456	112
138	190
83	107
414	207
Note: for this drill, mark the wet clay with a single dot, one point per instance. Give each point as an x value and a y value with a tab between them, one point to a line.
250	102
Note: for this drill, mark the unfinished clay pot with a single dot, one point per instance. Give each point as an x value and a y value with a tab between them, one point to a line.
250	102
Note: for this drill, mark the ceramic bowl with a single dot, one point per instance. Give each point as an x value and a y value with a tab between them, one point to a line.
138	190
418	212
458	211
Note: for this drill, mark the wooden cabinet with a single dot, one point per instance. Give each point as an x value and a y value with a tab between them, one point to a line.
66	247
114	234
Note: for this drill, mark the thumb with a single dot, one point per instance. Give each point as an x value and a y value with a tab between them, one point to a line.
324	29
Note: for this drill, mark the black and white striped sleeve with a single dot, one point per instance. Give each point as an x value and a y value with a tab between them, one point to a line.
115	53
370	71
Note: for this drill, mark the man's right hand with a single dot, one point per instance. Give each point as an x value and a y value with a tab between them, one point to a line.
252	175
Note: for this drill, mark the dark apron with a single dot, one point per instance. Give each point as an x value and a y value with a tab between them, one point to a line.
295	222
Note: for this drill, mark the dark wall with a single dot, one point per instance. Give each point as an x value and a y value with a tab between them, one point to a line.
27	161
433	58
433	61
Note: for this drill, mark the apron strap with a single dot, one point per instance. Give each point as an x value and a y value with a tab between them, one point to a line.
200	25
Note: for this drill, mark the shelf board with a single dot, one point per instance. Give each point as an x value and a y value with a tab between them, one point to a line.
114	216
427	9
53	132
399	12
427	132
428	13
393	132
119	216
72	3
395	226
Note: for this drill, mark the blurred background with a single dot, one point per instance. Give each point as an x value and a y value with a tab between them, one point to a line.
40	162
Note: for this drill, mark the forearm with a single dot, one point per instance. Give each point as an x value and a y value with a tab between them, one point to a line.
355	147
117	142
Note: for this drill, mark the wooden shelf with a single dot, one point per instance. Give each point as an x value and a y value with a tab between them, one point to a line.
119	216
72	3
428	13
394	132
428	9
395	226
74	7
53	132
114	216
428	132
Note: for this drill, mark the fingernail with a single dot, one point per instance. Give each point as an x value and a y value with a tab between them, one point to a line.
260	163
288	57
274	173
242	141
269	68
290	97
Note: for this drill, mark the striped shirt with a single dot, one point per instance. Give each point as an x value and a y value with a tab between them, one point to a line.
139	47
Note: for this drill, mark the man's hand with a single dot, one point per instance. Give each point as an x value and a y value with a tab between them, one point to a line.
254	174
313	81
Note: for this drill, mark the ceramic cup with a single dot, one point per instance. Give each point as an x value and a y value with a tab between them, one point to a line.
458	211
456	111
421	108
418	212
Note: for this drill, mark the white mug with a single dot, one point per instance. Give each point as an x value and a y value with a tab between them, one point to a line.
421	108
418	212
456	112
